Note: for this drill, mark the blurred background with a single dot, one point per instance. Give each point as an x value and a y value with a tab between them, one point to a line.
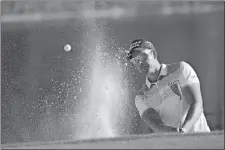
50	94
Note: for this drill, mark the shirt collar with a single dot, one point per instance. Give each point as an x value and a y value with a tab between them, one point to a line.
163	72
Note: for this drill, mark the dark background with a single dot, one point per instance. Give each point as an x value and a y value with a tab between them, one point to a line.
40	82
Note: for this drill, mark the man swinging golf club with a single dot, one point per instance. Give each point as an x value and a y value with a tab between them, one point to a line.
171	100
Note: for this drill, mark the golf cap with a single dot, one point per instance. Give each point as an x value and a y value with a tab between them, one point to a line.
139	43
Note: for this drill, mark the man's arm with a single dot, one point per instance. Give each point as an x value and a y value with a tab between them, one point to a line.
192	87
151	117
196	107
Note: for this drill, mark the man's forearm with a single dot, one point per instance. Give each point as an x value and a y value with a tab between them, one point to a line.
159	128
196	106
155	123
193	115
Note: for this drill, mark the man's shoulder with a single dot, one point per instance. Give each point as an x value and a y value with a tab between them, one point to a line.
173	67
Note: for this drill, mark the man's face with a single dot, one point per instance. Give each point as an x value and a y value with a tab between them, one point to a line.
142	59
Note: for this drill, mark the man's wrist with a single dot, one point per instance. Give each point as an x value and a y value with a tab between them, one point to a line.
165	128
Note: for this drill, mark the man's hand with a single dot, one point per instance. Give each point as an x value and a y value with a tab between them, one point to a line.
153	120
165	128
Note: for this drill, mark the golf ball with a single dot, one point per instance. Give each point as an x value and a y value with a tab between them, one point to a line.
67	47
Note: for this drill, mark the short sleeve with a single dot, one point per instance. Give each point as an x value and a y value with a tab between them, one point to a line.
188	74
140	104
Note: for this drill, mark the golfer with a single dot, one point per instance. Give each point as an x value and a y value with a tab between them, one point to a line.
171	100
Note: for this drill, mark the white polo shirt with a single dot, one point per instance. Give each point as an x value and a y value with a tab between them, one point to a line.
167	99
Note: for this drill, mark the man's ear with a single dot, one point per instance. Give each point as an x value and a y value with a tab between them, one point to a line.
154	53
